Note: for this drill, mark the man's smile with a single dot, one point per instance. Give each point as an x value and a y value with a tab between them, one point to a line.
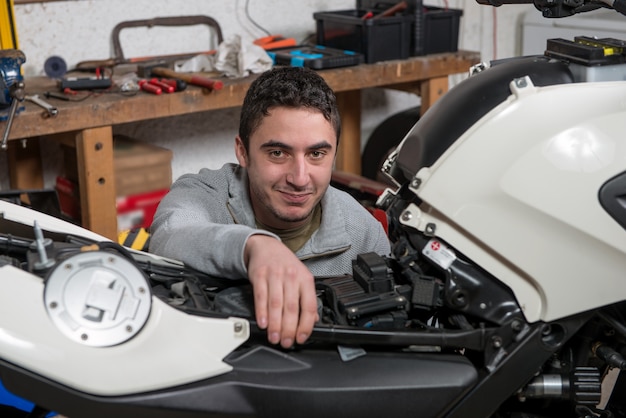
295	197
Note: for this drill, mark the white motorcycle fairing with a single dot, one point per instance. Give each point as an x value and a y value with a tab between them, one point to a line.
31	338
528	209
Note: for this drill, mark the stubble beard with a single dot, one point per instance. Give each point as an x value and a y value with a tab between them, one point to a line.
264	200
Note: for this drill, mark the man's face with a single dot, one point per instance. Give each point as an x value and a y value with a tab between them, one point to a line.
289	164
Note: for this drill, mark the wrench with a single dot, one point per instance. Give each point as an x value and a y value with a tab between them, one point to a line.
52	110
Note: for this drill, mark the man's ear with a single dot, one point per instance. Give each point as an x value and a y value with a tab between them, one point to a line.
240	152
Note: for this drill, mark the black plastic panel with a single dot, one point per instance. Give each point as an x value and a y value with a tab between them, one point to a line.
273	383
612	197
465	104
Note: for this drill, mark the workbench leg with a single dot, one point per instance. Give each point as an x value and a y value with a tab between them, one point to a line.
431	90
349	152
96	179
24	161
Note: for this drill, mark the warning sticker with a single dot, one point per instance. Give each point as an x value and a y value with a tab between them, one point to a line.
439	253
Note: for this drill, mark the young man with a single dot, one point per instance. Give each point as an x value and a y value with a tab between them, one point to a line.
273	217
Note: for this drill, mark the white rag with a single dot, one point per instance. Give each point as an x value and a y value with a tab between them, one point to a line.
234	59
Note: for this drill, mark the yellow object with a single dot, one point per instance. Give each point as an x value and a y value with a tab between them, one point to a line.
608	49
8	30
137	239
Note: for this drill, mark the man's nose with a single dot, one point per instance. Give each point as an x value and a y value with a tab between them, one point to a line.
298	174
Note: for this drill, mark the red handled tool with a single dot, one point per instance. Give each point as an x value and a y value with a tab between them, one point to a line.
196	80
166	88
150	88
179	85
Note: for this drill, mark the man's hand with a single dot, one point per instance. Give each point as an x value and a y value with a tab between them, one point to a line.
284	291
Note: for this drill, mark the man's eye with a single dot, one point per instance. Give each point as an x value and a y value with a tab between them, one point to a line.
317	154
276	153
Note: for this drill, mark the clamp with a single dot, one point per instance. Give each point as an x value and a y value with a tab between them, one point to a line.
12	84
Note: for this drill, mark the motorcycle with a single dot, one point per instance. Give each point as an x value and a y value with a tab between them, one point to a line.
503	295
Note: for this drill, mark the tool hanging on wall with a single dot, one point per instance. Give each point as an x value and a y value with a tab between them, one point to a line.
118	53
8	30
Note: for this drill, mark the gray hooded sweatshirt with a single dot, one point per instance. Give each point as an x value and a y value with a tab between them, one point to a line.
206	218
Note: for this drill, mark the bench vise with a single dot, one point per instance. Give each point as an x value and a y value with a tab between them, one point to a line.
11	88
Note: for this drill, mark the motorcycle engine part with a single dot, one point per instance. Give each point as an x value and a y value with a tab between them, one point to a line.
582	386
97	298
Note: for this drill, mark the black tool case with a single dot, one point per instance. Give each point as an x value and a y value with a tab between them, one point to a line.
315	57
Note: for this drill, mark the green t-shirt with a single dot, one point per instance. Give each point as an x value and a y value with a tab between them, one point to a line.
295	238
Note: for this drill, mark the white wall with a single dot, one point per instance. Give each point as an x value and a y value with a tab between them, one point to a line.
80	30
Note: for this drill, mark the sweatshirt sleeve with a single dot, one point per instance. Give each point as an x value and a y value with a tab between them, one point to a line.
193	225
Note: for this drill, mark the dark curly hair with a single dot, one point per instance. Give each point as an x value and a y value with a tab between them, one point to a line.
292	87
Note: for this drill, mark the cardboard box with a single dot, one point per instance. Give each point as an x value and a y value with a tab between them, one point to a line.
139	167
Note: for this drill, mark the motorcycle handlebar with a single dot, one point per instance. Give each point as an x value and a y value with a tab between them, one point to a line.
559	8
498	3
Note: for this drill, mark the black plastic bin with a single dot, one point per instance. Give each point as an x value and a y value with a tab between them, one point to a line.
433	29
440	32
381	39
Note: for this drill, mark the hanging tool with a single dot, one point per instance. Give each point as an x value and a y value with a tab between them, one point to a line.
12	85
119	58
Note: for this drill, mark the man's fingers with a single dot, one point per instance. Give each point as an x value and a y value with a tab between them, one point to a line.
285	301
291	308
275	310
260	291
308	312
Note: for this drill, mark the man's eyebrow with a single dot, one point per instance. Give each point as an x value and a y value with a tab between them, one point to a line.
279	144
275	144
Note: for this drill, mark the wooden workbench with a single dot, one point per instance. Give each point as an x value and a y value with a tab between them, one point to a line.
88	125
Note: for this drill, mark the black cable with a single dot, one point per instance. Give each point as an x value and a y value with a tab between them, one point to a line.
112	245
620	6
253	22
